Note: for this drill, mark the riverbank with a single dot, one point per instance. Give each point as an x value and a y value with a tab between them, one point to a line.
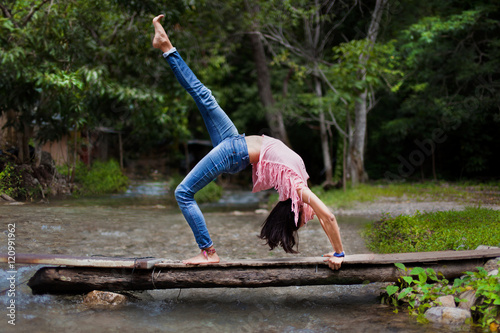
395	207
373	200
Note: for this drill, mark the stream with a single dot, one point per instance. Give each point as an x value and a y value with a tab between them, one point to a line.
145	221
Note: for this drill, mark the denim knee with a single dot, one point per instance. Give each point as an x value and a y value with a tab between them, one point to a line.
183	194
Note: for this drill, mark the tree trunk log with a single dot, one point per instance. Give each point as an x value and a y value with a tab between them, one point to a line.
74	280
84	274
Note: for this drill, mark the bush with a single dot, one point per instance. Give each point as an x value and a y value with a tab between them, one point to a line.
11	181
210	193
419	288
438	231
101	178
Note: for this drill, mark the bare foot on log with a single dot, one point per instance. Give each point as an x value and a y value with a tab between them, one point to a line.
202	259
160	40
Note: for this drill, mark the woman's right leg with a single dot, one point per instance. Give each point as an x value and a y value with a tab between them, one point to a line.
218	124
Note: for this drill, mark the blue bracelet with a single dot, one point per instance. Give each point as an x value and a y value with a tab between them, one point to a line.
339	255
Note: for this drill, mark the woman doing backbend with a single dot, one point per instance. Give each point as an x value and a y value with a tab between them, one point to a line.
273	163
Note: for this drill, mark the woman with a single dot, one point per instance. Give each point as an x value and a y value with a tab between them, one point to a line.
274	165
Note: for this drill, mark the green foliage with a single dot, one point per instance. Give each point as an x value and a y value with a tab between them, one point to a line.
70	65
438	231
380	67
11	181
419	288
210	193
450	55
101	178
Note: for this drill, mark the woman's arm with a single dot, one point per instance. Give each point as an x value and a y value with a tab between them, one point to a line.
328	222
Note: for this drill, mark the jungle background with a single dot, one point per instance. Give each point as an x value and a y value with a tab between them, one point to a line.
362	90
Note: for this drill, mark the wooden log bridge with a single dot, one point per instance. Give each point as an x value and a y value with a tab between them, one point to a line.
76	275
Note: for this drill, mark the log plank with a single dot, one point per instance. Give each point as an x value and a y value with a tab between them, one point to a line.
76	280
84	274
149	263
67	260
371	258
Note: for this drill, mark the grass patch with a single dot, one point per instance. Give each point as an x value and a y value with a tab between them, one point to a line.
437	231
463	192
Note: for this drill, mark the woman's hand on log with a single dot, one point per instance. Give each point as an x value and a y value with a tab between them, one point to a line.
333	262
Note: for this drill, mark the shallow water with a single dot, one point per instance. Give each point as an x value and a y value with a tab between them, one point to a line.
138	224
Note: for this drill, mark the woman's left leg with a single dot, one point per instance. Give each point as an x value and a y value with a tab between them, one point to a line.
230	156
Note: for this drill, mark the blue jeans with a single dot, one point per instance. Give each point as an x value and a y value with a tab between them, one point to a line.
229	155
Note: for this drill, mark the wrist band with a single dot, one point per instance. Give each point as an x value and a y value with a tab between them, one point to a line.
339	255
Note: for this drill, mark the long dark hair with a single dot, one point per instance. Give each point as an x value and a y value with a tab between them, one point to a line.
279	228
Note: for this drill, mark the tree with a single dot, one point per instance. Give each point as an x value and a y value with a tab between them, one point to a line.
274	116
447	114
70	65
319	21
357	131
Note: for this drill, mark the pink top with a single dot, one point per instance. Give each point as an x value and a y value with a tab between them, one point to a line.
282	168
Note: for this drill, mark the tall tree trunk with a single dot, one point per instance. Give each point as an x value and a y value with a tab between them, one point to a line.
23	137
356	149
274	116
325	147
120	144
356	165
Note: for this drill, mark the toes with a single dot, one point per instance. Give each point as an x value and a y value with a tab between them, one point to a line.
158	18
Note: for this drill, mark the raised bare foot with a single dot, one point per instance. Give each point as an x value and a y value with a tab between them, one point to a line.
201	259
160	40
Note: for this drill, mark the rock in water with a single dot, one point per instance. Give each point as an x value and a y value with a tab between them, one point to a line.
446	301
448	316
100	299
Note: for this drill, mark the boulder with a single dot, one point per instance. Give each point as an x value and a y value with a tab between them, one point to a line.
5	197
486	247
492	264
493	272
446	301
46	159
470	296
447	316
104	299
